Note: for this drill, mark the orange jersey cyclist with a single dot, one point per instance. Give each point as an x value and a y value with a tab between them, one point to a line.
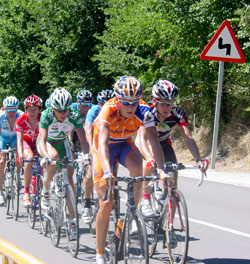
118	121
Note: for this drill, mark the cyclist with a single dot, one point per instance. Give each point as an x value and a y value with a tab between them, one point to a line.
55	126
118	121
27	127
8	118
166	116
102	98
83	104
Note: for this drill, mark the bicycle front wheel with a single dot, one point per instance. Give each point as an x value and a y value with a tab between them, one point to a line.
72	222
134	239
177	229
15	196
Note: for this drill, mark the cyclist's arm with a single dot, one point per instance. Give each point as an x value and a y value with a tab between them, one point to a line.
190	142
19	136
151	135
89	128
103	143
143	146
43	136
71	136
82	138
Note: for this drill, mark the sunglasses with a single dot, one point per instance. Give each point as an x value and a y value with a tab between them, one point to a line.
86	104
127	103
165	104
62	111
11	110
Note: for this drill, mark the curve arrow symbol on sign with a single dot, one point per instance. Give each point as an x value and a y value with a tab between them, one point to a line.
224	46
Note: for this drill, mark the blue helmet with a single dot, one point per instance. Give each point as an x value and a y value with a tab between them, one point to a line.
104	96
84	96
128	87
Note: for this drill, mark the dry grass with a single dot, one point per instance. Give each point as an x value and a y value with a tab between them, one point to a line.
233	151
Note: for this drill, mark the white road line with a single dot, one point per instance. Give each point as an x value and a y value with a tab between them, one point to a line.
219	227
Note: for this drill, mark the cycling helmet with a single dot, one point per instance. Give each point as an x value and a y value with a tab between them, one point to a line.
128	87
60	99
84	96
47	103
164	89
33	100
10	102
104	96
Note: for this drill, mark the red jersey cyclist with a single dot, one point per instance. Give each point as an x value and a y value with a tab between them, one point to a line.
166	116
27	128
118	121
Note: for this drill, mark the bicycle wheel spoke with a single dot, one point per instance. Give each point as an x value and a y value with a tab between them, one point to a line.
72	222
135	243
177	230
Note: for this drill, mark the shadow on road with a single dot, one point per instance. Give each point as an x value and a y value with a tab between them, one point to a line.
217	261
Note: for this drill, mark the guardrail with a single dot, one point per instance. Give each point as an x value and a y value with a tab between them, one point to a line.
9	253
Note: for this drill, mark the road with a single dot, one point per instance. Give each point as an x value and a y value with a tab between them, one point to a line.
219	228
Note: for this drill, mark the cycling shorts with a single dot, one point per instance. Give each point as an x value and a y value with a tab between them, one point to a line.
63	149
32	147
117	151
4	143
168	151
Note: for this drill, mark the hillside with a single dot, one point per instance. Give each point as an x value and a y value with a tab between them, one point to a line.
233	152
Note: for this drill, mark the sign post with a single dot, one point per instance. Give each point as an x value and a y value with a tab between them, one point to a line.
222	47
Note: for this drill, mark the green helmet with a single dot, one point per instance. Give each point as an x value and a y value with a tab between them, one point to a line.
60	99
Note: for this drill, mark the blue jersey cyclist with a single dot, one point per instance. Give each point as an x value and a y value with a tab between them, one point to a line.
166	116
84	102
93	112
8	118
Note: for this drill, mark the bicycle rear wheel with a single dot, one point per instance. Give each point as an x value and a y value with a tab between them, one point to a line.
72	224
177	229
135	244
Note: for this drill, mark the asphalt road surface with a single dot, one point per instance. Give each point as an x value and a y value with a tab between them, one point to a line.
219	218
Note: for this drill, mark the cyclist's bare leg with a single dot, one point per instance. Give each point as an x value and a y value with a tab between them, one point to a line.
147	189
28	154
133	163
2	166
102	218
88	185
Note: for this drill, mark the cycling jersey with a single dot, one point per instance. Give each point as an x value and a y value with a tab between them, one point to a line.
59	131
8	135
75	106
29	135
92	114
121	128
176	116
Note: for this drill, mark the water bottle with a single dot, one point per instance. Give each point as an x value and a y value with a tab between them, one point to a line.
33	183
119	227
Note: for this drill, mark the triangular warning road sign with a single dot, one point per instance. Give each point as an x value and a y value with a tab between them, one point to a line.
223	46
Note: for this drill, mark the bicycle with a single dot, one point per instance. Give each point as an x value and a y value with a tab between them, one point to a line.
171	217
63	207
121	242
12	183
81	165
35	196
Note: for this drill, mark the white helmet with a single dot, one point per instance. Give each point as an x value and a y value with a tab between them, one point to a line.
10	101
60	99
164	89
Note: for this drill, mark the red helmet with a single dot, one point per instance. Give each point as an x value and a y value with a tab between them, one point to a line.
33	100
